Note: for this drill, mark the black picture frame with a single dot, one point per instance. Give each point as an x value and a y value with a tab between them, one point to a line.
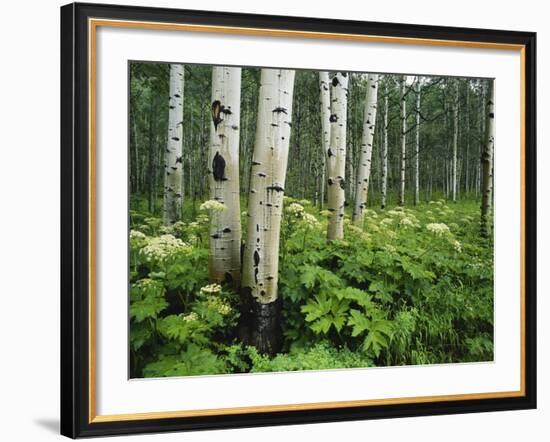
75	220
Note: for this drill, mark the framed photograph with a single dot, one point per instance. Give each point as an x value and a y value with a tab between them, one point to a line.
276	220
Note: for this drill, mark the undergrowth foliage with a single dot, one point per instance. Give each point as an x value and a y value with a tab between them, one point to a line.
413	286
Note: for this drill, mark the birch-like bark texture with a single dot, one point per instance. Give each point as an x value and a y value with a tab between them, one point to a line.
403	141
265	206
385	151
487	160
417	147
336	156
324	90
455	144
365	157
173	160
224	262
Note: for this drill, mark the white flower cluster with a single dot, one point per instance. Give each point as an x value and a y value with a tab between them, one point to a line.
191	317
371	227
406	222
159	248
211	289
456	245
439	229
395	213
220	306
325	213
390	248
310	220
295	209
370	213
386	222
212	206
137	239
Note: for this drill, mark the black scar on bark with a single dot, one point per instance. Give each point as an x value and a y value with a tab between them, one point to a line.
342	183
333	118
344	74
172	107
373	86
177	95
175	138
257	227
173	168
215	236
256	275
280	110
263	175
335	82
276	188
216	109
255	163
218	167
234	127
226	230
225	110
491	115
179	160
329	153
228	277
256	258
325	88
330	182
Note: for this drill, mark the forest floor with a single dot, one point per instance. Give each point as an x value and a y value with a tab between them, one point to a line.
413	286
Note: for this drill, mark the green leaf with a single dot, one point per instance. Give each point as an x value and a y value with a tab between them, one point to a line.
149	307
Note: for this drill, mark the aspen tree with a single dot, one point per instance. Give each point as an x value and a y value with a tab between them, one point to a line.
487	159
365	157
417	146
385	150
324	90
224	263
336	156
455	144
403	97
173	160
260	319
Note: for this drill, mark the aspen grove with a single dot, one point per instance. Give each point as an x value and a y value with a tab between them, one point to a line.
287	219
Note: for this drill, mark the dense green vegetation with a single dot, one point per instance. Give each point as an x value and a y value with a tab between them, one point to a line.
413	287
298	220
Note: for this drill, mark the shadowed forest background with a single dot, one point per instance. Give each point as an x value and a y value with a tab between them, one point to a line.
293	220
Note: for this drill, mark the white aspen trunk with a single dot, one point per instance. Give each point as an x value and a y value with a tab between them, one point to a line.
224	261
467	180
265	205
417	147
487	160
365	157
455	144
385	151
324	90
173	161
403	142
336	156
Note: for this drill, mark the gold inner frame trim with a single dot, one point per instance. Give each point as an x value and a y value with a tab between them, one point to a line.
93	24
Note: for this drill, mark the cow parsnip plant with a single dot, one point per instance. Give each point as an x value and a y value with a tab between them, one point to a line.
413	286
